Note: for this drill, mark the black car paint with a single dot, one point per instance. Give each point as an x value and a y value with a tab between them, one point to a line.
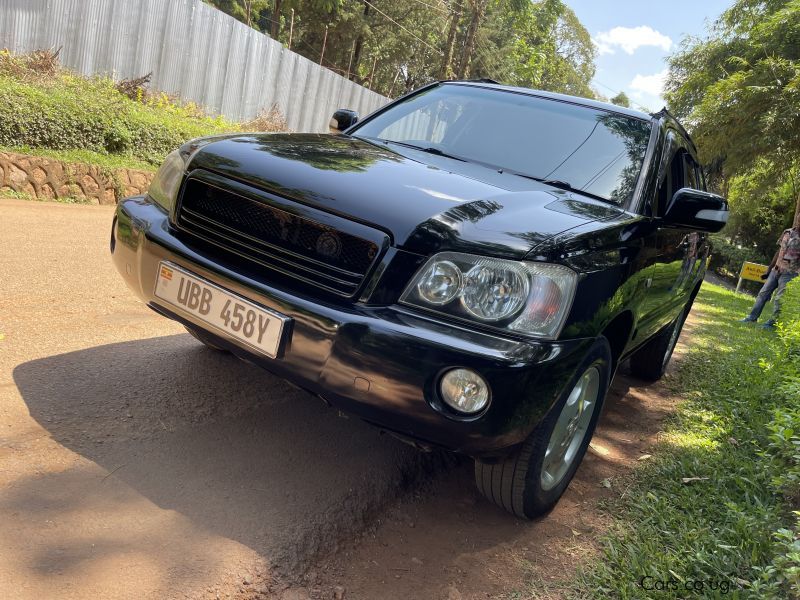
424	204
421	205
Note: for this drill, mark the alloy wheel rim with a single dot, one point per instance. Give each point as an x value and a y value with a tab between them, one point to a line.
571	428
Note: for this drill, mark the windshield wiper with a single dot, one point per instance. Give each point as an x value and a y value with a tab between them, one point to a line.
428	149
562	185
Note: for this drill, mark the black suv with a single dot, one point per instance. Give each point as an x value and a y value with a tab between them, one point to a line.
465	268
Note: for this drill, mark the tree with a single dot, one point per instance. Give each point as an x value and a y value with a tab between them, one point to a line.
621	99
738	90
412	42
552	50
570	66
477	13
456	9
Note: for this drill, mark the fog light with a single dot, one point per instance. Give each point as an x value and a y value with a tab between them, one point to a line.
464	390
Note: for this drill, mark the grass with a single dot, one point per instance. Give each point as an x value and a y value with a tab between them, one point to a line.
61	200
707	515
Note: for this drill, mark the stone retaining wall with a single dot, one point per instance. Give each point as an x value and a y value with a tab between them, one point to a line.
48	179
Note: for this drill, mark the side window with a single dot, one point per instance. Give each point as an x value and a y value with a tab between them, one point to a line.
690	169
673	179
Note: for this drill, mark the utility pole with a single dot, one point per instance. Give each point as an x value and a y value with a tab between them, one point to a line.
372	73
324	41
350	64
291	30
391	89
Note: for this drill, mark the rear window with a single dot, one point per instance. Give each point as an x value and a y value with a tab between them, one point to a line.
593	150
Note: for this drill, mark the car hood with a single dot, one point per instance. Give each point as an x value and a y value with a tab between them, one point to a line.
426	203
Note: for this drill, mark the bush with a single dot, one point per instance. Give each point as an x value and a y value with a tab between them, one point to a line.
789	326
727	259
42	106
783	573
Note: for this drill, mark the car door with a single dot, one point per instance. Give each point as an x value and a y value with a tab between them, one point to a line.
668	247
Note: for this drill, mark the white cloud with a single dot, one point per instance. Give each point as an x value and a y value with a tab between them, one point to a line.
631	38
652	85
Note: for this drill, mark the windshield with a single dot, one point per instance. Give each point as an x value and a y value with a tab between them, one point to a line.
592	150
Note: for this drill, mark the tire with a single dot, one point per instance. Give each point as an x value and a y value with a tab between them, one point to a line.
523	483
651	360
203	339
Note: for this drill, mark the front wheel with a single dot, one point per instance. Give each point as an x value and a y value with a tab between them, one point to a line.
530	481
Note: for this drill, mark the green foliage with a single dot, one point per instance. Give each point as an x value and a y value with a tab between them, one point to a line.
411	42
735	431
790	320
61	200
621	99
552	50
738	90
762	206
727	259
783	572
75	155
66	112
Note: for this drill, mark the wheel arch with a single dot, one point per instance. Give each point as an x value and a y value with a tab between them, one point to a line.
618	333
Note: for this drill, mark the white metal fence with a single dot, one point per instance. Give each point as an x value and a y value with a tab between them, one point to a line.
192	50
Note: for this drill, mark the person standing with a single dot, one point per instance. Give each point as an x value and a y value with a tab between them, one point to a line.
784	267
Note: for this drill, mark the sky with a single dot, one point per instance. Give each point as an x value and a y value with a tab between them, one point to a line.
633	38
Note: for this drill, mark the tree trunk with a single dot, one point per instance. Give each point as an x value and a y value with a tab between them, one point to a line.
275	26
360	42
446	72
478	10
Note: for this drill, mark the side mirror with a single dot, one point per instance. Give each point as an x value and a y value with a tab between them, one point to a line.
695	209
342	119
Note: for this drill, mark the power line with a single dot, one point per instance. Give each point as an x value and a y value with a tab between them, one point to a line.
442	10
419	39
610	89
324	62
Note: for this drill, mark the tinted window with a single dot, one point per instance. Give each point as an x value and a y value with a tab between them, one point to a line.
691	172
593	150
673	178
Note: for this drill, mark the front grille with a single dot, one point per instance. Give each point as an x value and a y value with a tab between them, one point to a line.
271	237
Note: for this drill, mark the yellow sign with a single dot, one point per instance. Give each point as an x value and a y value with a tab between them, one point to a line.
753	271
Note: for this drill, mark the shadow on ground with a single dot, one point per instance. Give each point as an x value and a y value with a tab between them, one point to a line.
236	450
449	542
246	456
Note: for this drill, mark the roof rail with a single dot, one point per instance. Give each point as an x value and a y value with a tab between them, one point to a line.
482	80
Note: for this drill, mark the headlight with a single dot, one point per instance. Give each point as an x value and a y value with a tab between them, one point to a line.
494	290
441	283
164	187
527	297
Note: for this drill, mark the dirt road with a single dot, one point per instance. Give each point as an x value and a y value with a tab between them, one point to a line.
135	463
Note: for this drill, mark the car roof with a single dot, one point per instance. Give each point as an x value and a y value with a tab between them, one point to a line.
562	97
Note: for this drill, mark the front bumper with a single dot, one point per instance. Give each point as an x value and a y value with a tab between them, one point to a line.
380	363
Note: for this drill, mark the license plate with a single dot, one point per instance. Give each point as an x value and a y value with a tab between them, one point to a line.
227	313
